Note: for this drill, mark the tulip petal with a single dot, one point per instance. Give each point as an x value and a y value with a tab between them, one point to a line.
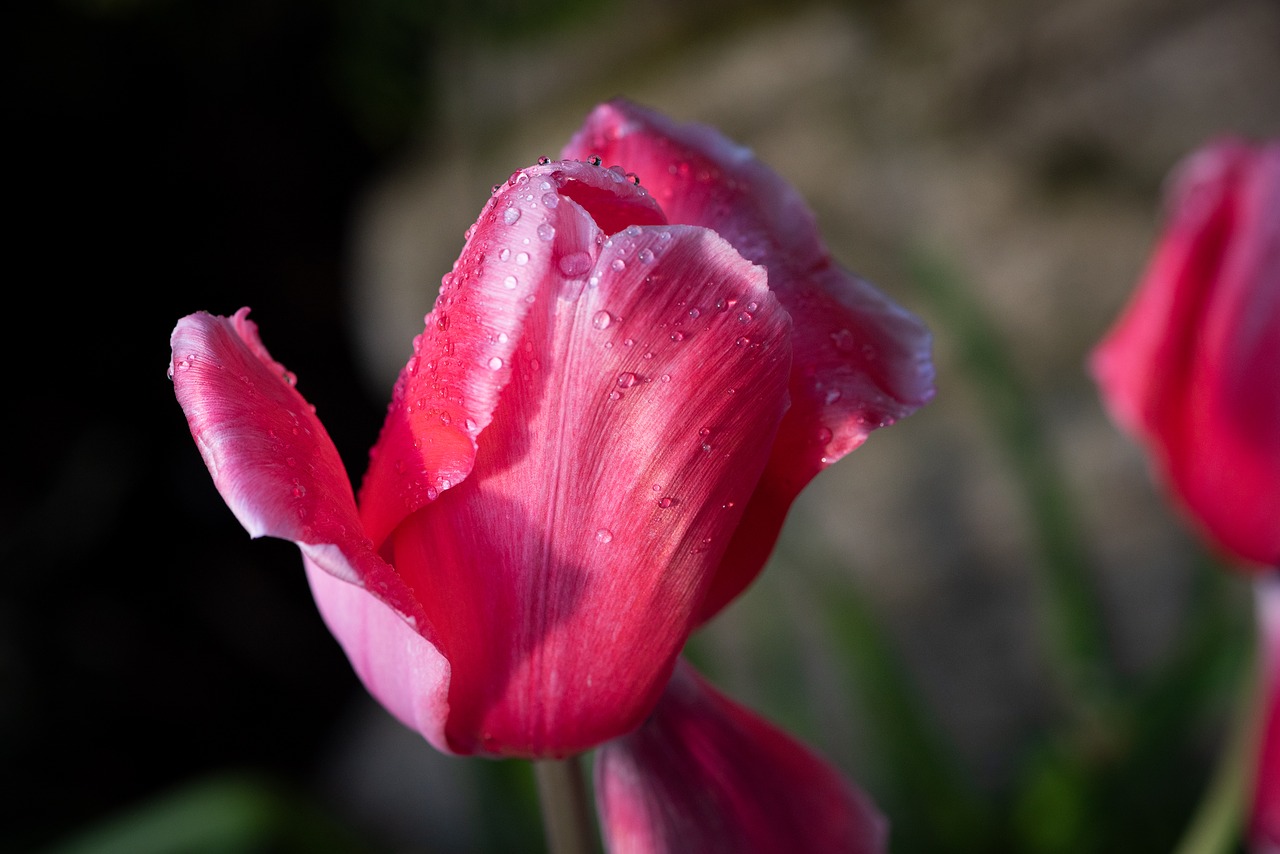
861	361
704	774
446	394
271	458
564	572
1192	367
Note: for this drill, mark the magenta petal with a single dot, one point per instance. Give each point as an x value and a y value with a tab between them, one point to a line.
400	668
563	574
704	774
860	362
1192	367
270	457
447	392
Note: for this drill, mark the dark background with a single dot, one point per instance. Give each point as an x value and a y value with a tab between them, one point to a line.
171	157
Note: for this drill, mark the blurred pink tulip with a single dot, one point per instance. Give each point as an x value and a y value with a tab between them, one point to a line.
1192	367
619	392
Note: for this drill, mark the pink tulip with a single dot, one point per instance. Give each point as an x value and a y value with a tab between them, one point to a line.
618	393
694	777
1192	368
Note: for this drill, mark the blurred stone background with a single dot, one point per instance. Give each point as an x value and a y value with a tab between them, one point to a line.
995	162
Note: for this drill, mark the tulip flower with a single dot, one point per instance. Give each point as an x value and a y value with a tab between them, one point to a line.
627	376
1192	369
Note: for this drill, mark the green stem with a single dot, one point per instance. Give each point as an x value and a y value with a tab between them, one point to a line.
566	811
1215	827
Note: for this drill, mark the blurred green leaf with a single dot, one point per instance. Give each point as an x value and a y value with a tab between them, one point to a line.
225	815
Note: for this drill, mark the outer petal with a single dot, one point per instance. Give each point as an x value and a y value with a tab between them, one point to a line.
564	572
270	457
861	361
704	774
448	390
1264	813
1192	367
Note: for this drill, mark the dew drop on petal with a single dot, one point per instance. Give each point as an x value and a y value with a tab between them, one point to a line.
645	256
510	282
823	435
604	535
522	258
665	501
575	264
694	313
677	336
618	265
550	200
511	215
495	363
602	319
627	379
546	231
504	254
745	316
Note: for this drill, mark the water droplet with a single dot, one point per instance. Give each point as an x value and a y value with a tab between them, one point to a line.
495	363
843	339
628	342
742	341
575	264
604	535
677	336
602	319
445	419
615	395
745	316
510	282
627	379
547	231
550	200
633	177
593	160
544	160
511	215
666	501
666	378
753	306
645	256
657	487
522	258
694	313
823	435
632	231
618	265
504	254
